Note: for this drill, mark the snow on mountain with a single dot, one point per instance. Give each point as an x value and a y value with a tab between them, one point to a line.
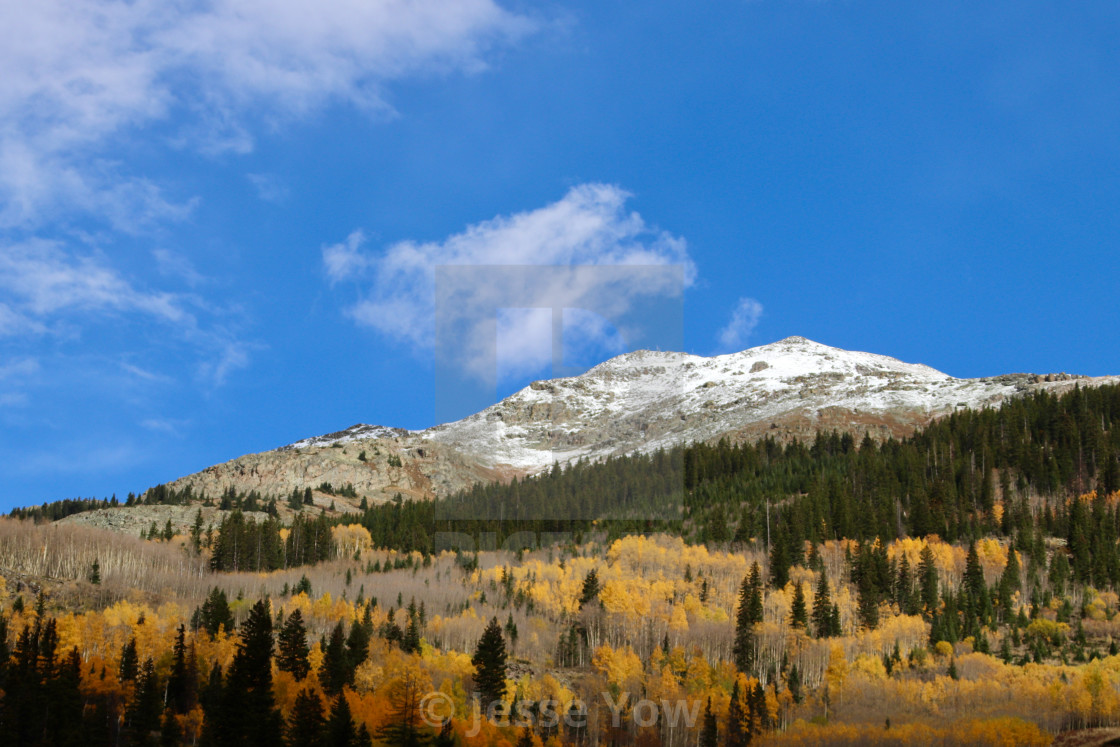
639	401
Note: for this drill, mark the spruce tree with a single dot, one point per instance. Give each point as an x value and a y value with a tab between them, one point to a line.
292	650
247	712
305	724
340	731
490	665
738	730
143	714
357	649
709	732
868	601
130	663
590	590
822	607
182	683
745	619
798	614
927	577
334	672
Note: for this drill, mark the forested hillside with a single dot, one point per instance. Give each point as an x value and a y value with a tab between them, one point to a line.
956	587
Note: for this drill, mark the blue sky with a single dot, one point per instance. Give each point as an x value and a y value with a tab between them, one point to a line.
218	221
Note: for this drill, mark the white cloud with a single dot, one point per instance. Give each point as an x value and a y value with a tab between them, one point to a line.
744	319
45	284
346	260
78	73
269	187
588	230
42	280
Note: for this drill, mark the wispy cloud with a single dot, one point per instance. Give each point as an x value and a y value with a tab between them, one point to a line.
78	73
175	265
269	187
744	319
46	284
588	227
42	279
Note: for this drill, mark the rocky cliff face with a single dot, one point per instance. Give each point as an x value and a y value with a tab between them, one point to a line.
640	401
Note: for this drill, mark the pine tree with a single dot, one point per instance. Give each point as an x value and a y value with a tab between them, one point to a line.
490	665
334	672
822	607
95	573
340	731
247	713
1009	582
591	588
798	614
357	649
745	620
130	663
305	724
738	730
868	601
760	711
182	683
927	575
709	732
143	714
793	682
292	653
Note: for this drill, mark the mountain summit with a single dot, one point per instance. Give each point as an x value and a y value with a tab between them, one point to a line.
639	401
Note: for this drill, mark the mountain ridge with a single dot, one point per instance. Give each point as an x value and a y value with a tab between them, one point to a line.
635	402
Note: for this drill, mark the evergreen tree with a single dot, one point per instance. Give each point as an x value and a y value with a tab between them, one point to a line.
340	731
749	613
334	672
760	710
738	730
709	732
793	682
798	614
490	665
1009	582
143	714
305	724
927	577
182	683
868	601
591	588
357	649
822	607
129	666
292	650
247	713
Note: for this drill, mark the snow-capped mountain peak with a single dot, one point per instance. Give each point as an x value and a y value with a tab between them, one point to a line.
638	401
